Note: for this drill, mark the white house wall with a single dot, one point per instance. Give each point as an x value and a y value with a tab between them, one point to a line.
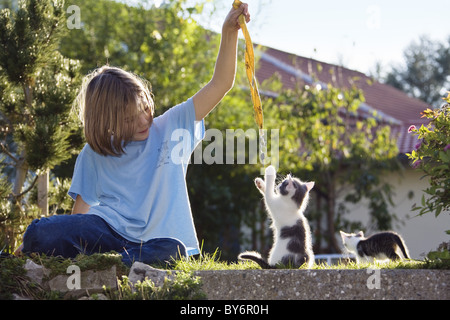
421	233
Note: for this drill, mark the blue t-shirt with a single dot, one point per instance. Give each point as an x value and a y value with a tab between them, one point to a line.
142	194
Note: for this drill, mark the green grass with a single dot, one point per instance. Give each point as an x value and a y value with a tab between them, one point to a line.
208	261
211	261
181	286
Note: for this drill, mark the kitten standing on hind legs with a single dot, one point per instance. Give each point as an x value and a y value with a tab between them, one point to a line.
285	204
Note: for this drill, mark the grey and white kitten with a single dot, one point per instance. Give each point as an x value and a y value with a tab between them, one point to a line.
379	246
291	232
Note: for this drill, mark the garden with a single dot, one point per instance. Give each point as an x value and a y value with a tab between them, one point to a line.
44	53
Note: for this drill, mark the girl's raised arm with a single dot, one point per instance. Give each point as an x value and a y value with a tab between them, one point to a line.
225	70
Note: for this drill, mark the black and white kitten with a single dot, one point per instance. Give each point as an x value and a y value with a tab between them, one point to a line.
379	246
291	232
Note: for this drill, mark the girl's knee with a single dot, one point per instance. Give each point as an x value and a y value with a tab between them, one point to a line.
39	237
159	250
173	248
33	235
47	236
176	246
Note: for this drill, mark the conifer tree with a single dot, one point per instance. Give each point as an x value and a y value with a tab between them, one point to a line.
37	87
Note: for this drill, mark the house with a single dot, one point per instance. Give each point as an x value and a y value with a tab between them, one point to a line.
390	106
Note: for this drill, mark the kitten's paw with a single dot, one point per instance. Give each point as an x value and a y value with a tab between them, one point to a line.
260	184
270	171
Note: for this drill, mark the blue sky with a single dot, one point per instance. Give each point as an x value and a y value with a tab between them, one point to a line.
355	33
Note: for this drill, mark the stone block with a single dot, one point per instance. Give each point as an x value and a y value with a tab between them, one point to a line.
140	271
36	272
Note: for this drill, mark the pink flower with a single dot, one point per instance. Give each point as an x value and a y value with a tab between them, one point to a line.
412	128
416	164
447	147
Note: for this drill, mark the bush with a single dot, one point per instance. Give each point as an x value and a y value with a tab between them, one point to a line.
432	156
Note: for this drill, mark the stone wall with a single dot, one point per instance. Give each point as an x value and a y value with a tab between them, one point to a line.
281	284
384	284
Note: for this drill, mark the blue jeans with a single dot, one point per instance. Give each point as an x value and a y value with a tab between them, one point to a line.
69	235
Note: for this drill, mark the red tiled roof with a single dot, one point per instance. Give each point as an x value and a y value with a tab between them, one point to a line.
392	105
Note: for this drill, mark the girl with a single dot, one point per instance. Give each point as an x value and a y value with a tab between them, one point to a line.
129	190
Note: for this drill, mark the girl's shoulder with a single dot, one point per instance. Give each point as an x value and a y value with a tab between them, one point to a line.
88	154
87	151
182	110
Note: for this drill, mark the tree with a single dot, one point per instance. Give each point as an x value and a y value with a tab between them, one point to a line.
426	70
37	88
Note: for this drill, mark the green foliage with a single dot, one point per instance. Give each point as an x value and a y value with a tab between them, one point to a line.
59	202
164	45
37	87
27	38
432	156
439	258
183	286
13	279
97	261
11	270
46	134
443	255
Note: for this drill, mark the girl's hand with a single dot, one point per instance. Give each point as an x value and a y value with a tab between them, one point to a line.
231	22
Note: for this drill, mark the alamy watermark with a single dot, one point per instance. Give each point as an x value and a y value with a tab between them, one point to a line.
74	280
74	20
374	281
235	147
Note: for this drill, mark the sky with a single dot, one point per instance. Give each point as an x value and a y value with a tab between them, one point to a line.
357	34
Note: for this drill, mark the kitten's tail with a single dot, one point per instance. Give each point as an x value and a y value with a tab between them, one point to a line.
254	256
401	244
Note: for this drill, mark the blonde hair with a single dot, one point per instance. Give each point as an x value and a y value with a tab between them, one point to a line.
109	102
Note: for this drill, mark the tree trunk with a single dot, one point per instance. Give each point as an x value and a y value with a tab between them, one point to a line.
21	173
42	186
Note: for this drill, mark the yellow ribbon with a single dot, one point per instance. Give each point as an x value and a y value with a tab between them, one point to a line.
250	68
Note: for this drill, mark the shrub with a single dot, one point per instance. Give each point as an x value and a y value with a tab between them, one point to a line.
432	156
